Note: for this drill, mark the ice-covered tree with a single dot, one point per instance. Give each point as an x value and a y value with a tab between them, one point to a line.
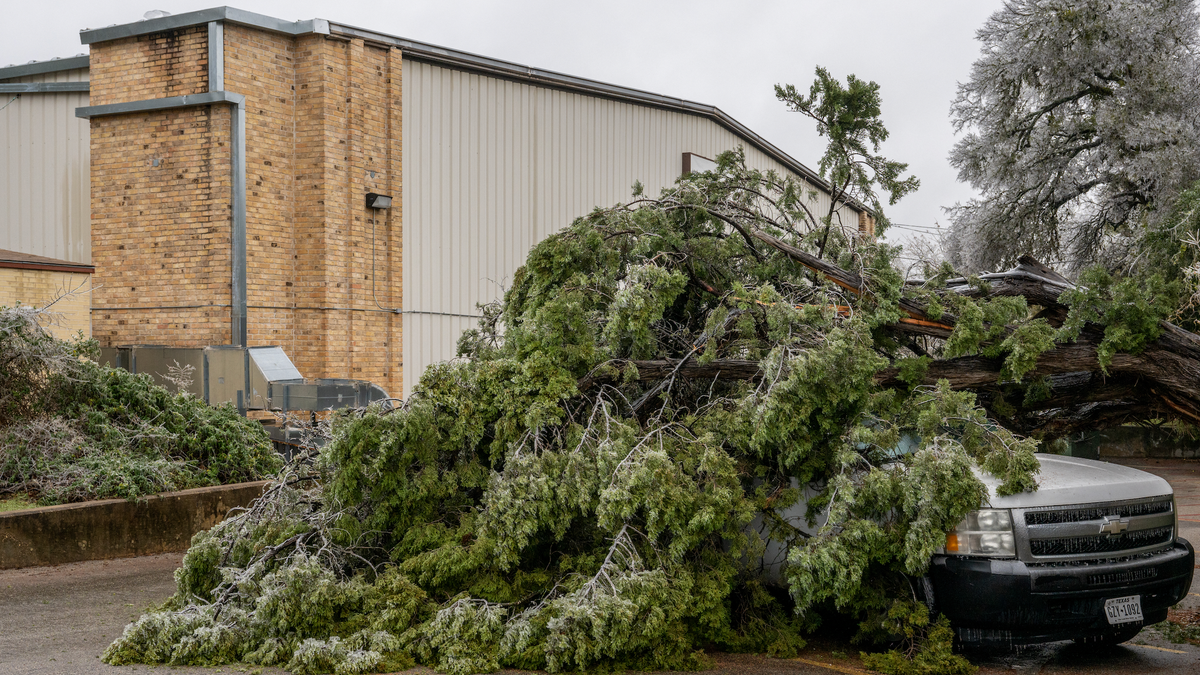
1082	121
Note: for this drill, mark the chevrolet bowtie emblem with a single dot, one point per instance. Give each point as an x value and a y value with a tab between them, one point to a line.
1114	526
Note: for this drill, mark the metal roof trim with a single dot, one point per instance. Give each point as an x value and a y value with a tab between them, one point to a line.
30	261
46	267
200	17
40	67
42	87
150	105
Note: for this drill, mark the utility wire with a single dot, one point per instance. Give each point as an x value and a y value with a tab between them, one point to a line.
925	228
10	101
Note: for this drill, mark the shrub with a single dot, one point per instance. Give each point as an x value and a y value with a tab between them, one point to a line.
72	430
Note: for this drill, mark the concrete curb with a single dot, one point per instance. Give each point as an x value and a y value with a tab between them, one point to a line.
116	528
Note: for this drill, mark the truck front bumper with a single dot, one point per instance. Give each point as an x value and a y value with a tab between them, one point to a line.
1009	602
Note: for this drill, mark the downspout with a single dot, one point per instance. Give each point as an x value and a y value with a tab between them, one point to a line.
237	158
237	154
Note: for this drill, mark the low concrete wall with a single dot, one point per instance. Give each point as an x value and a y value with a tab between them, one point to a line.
116	528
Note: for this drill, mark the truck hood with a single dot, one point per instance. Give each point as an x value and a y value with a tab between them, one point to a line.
1073	480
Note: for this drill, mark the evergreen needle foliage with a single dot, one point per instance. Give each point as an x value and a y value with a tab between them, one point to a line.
71	430
584	489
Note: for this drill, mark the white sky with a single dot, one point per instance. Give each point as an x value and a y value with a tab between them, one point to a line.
725	54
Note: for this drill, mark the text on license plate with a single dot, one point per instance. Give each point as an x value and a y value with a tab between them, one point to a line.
1123	610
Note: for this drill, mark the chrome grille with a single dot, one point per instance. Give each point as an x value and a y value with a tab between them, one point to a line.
1097	512
1101	543
1081	532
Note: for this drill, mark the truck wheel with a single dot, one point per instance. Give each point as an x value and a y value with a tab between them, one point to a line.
1122	635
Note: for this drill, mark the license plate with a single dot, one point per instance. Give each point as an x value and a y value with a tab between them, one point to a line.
1123	610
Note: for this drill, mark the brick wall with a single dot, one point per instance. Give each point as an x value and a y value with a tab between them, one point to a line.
171	63
348	144
866	224
261	67
39	288
160	227
322	130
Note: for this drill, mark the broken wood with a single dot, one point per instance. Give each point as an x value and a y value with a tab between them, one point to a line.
1163	381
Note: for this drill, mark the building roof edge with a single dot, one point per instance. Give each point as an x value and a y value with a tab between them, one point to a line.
18	260
200	17
40	67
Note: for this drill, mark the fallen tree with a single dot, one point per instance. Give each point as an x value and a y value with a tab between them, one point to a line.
593	483
1079	384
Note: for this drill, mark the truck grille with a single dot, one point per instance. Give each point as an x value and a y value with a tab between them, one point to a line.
1096	513
1102	543
1099	530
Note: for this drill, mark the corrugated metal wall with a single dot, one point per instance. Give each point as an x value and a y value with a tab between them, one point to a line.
493	166
45	206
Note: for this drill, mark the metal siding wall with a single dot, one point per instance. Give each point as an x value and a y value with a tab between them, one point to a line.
492	166
45	206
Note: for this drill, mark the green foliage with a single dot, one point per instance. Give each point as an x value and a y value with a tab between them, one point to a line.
1180	631
1170	248
280	609
1129	309
913	369
463	637
885	515
16	503
543	503
928	645
849	117
71	430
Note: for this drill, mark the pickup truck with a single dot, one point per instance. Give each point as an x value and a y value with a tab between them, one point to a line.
1093	555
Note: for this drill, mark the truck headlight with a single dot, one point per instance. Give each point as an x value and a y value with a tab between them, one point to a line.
986	532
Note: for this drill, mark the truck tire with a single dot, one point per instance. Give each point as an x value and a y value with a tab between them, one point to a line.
1115	638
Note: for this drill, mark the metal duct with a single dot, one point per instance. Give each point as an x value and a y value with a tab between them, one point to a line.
250	378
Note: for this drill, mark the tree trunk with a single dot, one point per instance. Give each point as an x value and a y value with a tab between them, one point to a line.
1163	381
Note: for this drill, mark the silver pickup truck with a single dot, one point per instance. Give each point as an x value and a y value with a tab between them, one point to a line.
1093	555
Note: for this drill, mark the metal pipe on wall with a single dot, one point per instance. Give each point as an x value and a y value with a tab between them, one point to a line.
237	198
237	123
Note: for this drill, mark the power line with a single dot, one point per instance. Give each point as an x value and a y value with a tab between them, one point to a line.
919	227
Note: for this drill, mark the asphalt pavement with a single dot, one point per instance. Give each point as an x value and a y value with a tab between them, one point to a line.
57	620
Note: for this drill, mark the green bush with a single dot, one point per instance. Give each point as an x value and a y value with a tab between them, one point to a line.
72	430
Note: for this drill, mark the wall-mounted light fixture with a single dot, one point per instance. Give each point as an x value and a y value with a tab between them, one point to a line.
378	202
375	201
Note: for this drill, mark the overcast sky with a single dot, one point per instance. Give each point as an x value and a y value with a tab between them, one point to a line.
727	54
